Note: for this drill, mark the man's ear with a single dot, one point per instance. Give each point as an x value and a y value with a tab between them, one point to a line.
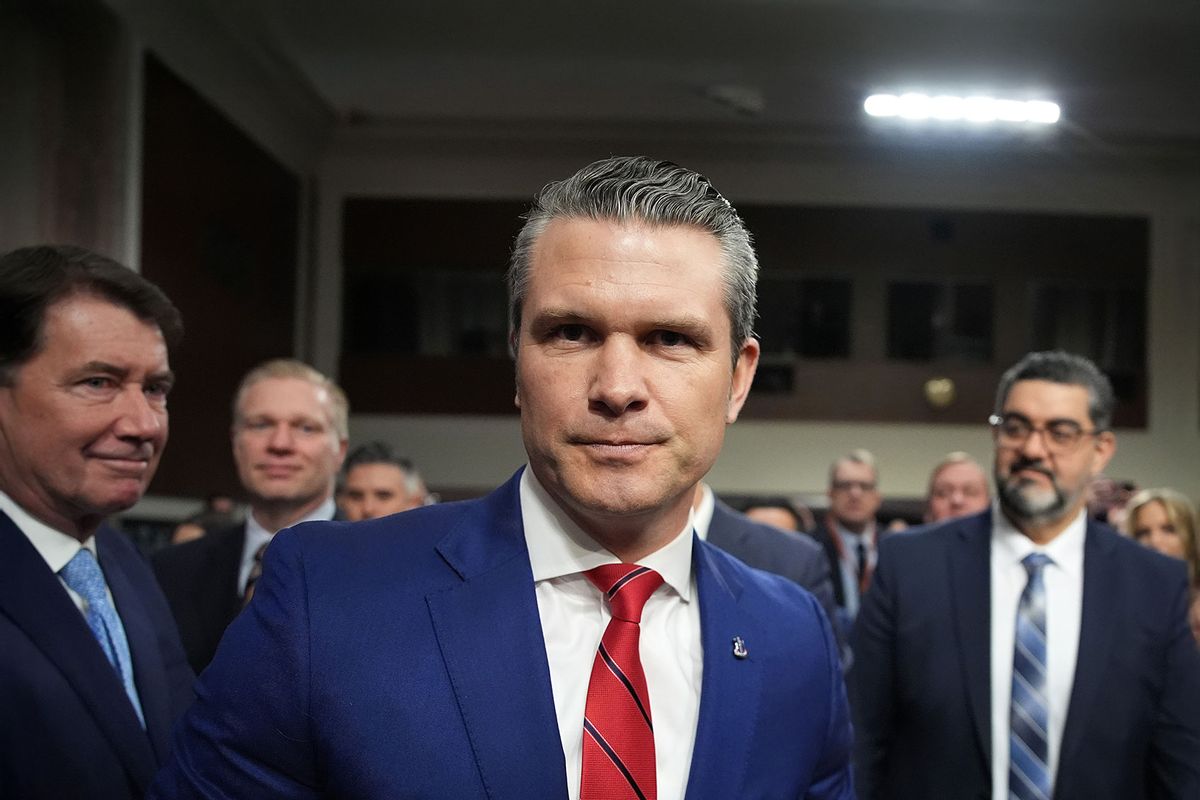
1104	449
743	377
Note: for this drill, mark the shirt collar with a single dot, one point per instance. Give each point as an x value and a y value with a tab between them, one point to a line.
702	513
558	547
1066	549
850	538
54	546
256	534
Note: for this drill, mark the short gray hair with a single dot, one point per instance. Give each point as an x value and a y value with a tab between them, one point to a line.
640	189
858	456
1058	366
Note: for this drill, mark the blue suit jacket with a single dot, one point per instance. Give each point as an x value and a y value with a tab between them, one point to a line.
795	556
921	677
67	728
404	657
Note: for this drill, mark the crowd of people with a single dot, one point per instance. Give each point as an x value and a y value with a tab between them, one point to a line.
601	626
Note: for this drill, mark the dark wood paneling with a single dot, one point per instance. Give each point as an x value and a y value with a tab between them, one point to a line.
219	234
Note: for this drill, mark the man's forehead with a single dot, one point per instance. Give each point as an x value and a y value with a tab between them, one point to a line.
376	472
961	472
856	468
283	396
1041	399
85	324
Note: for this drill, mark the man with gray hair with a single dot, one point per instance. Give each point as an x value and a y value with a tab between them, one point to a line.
1027	651
289	438
568	636
849	533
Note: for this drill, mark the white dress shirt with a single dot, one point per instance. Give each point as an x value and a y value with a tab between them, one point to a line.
574	615
257	536
848	563
56	547
1063	580
702	512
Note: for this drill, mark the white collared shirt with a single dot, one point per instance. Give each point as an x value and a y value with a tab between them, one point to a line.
574	616
257	536
56	547
848	563
702	512
1063	580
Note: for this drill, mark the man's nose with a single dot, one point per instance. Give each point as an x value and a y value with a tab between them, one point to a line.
618	384
281	437
139	419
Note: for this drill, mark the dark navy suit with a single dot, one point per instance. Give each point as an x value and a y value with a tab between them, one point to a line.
403	657
67	728
922	672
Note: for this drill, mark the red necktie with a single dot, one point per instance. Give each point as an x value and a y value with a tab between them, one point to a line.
618	738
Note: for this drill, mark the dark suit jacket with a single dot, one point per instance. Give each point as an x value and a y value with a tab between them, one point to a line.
200	581
67	728
921	677
824	536
795	556
403	657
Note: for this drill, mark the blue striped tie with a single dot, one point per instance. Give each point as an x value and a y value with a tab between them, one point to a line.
1029	717
82	573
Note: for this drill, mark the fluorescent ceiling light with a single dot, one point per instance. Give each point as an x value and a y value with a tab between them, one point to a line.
978	109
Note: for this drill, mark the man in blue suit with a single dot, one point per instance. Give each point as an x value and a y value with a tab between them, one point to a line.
92	674
468	650
1027	651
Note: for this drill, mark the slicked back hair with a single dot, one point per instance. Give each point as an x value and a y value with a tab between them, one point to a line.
377	452
635	189
32	279
339	406
1058	366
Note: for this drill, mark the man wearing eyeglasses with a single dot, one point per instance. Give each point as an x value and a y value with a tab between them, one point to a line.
1027	651
849	532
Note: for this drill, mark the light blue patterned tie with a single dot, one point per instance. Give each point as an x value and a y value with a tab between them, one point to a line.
1029	717
82	573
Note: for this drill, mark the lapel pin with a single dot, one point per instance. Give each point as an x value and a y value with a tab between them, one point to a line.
739	648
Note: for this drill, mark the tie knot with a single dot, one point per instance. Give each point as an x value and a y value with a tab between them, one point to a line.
82	573
1034	562
627	587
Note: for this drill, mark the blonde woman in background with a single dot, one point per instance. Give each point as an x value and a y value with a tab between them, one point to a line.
1165	520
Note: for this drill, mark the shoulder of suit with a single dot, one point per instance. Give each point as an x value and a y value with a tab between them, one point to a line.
197	550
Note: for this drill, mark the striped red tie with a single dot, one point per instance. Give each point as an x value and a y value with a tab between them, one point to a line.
618	737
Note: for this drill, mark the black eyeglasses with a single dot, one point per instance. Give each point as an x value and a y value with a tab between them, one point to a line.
845	486
1058	435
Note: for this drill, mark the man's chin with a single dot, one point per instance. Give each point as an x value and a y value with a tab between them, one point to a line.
1032	505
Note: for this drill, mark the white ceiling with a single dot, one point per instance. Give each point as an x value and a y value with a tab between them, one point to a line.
1126	72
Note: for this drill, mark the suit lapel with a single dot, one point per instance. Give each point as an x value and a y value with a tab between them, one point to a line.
490	635
1101	600
720	531
31	595
730	689
969	564
148	668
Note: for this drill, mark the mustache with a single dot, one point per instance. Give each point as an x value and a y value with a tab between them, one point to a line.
1030	465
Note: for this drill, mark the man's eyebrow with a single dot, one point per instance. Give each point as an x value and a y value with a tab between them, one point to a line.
105	367
688	322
